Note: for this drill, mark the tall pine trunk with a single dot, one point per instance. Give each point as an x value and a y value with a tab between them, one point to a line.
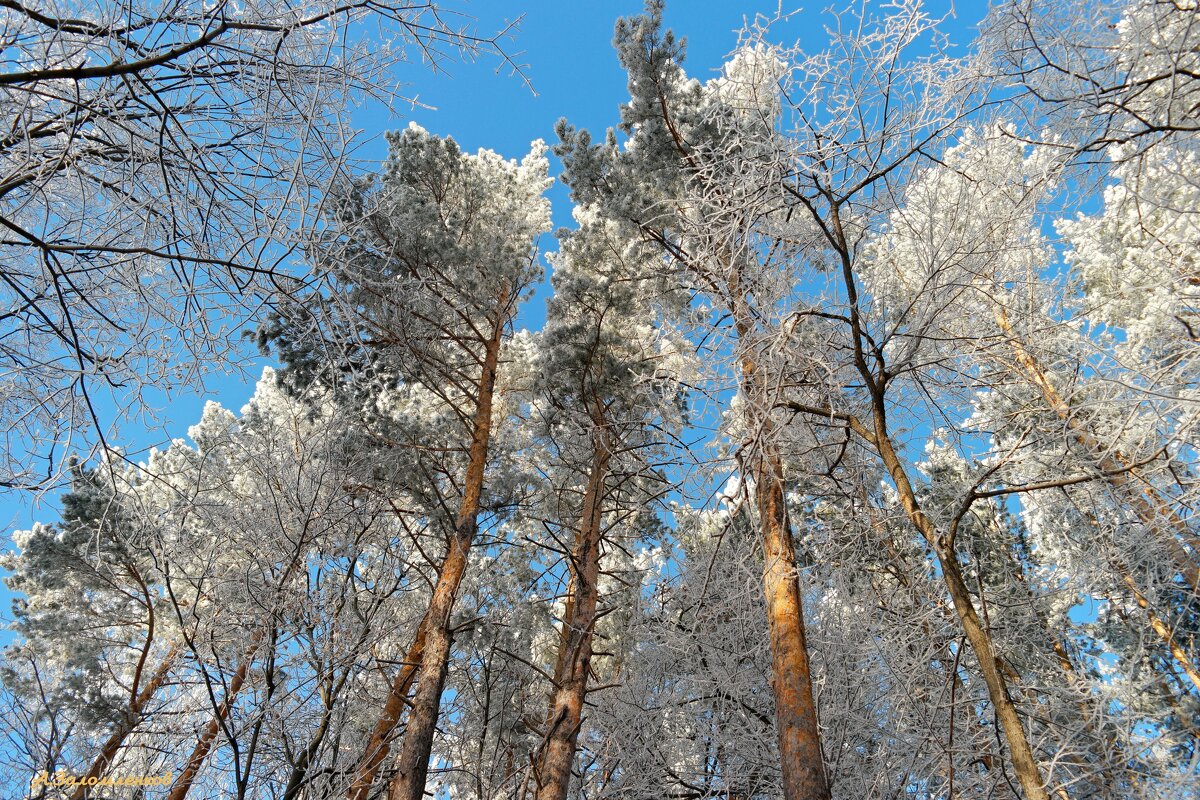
379	745
553	765
412	762
798	736
208	736
797	733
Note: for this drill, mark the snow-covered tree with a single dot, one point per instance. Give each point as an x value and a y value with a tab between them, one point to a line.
427	268
163	164
856	456
607	409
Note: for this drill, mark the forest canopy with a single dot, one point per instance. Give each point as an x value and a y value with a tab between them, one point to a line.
855	457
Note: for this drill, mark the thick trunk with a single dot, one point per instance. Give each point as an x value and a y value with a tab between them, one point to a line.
208	736
1021	754
553	766
379	745
795	708
412	762
796	730
133	716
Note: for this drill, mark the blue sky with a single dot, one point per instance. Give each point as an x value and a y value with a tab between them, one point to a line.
565	49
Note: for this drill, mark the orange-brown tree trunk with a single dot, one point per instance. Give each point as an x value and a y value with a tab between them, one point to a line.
412	762
1164	632
208	736
1151	507
379	744
1147	502
796	728
130	721
553	766
797	733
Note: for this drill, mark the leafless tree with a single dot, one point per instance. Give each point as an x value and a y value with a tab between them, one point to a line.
161	165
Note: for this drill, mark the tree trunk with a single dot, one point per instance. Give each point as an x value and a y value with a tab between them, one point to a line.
1021	754
412	763
1147	502
133	716
552	770
1163	631
796	729
1151	507
379	744
200	752
795	708
798	734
